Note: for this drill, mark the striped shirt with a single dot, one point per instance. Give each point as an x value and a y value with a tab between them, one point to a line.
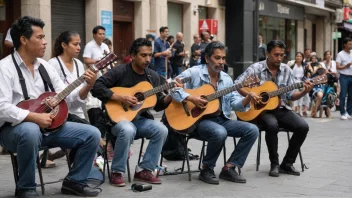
283	78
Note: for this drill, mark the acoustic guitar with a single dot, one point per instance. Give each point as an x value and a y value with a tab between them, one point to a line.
270	96
59	109
144	92
182	116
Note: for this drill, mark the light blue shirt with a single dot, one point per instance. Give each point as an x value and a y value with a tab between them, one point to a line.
200	76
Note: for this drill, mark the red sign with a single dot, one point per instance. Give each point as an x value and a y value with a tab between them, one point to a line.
208	24
346	13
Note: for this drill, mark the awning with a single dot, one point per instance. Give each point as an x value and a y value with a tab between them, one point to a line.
312	8
347	26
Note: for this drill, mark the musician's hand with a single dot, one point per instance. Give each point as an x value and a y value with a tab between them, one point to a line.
44	120
178	83
167	53
308	86
254	98
90	78
198	101
128	100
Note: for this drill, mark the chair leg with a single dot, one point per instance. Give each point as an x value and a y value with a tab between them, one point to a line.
67	153
44	159
128	170
140	151
40	175
161	165
201	156
187	158
15	170
258	150
224	150
185	143
301	158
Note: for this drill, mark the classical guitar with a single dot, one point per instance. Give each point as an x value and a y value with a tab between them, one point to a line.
144	92
270	96
182	116
59	109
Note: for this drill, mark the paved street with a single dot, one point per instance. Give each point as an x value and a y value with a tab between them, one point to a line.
327	153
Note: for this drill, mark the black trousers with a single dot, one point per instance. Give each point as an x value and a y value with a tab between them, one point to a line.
97	119
281	117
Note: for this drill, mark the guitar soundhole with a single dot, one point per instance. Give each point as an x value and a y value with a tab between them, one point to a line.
265	97
139	96
196	111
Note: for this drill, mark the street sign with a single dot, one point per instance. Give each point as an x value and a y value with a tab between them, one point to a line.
336	35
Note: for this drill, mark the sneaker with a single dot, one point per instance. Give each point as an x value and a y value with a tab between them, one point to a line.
146	176
230	174
348	116
344	117
117	180
207	175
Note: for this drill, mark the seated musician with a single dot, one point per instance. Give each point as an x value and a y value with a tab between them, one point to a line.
216	129
272	69
129	75
21	129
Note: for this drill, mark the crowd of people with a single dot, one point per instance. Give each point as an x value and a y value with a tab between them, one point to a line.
150	60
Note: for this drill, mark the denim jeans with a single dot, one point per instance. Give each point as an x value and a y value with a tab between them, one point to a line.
140	127
26	138
346	89
216	130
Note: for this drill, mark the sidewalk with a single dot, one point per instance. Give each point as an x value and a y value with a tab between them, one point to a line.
327	152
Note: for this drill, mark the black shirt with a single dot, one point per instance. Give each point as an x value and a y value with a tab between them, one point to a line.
124	76
179	48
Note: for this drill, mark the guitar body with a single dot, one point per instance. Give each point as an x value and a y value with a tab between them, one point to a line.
60	112
116	110
177	116
267	103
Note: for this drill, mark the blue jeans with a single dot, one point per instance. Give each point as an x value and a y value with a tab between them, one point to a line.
216	130
346	88
26	138
140	127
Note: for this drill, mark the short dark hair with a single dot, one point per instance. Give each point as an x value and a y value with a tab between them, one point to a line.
346	40
107	41
139	42
163	28
210	48
169	37
260	34
202	34
64	37
148	36
275	43
307	48
96	28
23	27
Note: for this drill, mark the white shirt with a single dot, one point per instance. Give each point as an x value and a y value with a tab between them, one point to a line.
332	66
343	58
8	36
298	72
11	92
94	51
70	77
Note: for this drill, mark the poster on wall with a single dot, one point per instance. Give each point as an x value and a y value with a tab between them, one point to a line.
106	22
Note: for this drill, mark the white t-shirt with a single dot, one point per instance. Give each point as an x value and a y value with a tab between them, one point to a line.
332	66
343	58
94	51
8	36
298	73
70	77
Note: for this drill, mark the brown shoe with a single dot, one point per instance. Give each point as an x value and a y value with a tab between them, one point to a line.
117	180
146	176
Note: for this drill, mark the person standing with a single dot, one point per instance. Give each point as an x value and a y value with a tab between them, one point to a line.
93	52
179	49
161	52
343	64
195	51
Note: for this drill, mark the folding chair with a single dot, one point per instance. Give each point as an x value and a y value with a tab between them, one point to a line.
42	183
288	139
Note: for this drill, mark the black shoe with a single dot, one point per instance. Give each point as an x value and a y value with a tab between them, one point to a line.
207	175
82	190
27	194
274	170
288	169
230	174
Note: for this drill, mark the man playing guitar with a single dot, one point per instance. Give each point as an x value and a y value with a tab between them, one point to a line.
20	130
216	129
272	69
129	75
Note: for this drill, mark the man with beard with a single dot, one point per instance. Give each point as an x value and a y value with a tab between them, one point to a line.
216	129
128	75
272	69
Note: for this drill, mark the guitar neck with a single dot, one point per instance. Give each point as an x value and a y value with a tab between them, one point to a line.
286	89
164	87
225	91
64	93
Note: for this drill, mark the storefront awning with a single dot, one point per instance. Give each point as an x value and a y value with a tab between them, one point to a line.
312	8
347	26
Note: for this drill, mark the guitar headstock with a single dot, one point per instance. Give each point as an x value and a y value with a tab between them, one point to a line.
250	81
105	61
319	79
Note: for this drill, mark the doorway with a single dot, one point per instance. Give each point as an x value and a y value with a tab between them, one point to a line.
123	38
